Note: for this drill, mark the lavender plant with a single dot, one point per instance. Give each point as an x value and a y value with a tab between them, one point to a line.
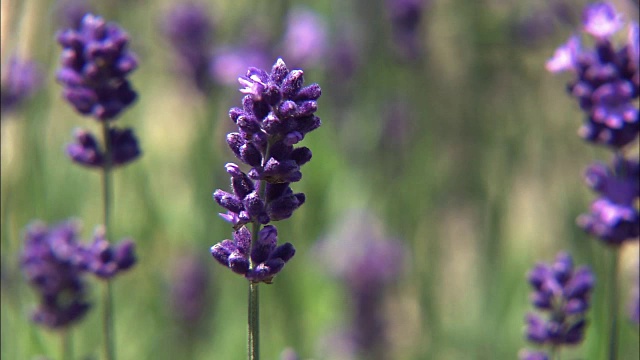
21	80
189	29
277	112
367	262
607	84
95	64
563	292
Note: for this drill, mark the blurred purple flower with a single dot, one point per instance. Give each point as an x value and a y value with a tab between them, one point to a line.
95	65
87	152
532	355
20	81
614	216
189	30
189	292
228	62
105	260
564	293
367	261
289	354
607	80
406	17
51	262
305	38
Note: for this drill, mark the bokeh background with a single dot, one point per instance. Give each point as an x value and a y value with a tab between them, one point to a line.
449	138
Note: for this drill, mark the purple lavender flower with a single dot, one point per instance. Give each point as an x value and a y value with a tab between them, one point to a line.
305	38
95	66
105	260
614	216
277	113
601	20
87	152
289	354
564	293
229	61
366	261
189	30
21	80
51	263
189	292
606	82
406	17
267	258
532	355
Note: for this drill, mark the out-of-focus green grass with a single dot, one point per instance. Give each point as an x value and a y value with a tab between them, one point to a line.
487	182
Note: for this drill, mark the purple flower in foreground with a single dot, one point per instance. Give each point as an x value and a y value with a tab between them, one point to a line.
267	258
277	112
95	65
614	216
51	263
564	293
606	82
87	152
189	30
21	80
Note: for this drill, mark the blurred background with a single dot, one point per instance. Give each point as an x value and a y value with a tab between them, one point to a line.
443	139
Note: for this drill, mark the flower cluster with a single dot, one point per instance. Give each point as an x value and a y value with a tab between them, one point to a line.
21	80
54	261
277	113
614	216
189	29
606	84
95	65
606	78
564	293
366	261
50	264
406	17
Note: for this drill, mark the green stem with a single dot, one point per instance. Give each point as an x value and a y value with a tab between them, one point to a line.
253	331
555	353
67	345
613	304
107	315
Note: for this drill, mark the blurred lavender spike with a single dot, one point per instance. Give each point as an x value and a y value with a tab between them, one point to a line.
51	262
21	80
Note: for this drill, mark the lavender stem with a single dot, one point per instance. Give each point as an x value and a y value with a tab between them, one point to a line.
107	315
253	345
613	304
67	345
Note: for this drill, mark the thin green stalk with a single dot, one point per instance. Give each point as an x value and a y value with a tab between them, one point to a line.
107	315
67	345
555	353
253	331
613	304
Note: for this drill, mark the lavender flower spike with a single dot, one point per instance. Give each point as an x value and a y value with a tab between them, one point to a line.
278	111
87	152
564	292
51	262
95	66
21	80
606	79
105	260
